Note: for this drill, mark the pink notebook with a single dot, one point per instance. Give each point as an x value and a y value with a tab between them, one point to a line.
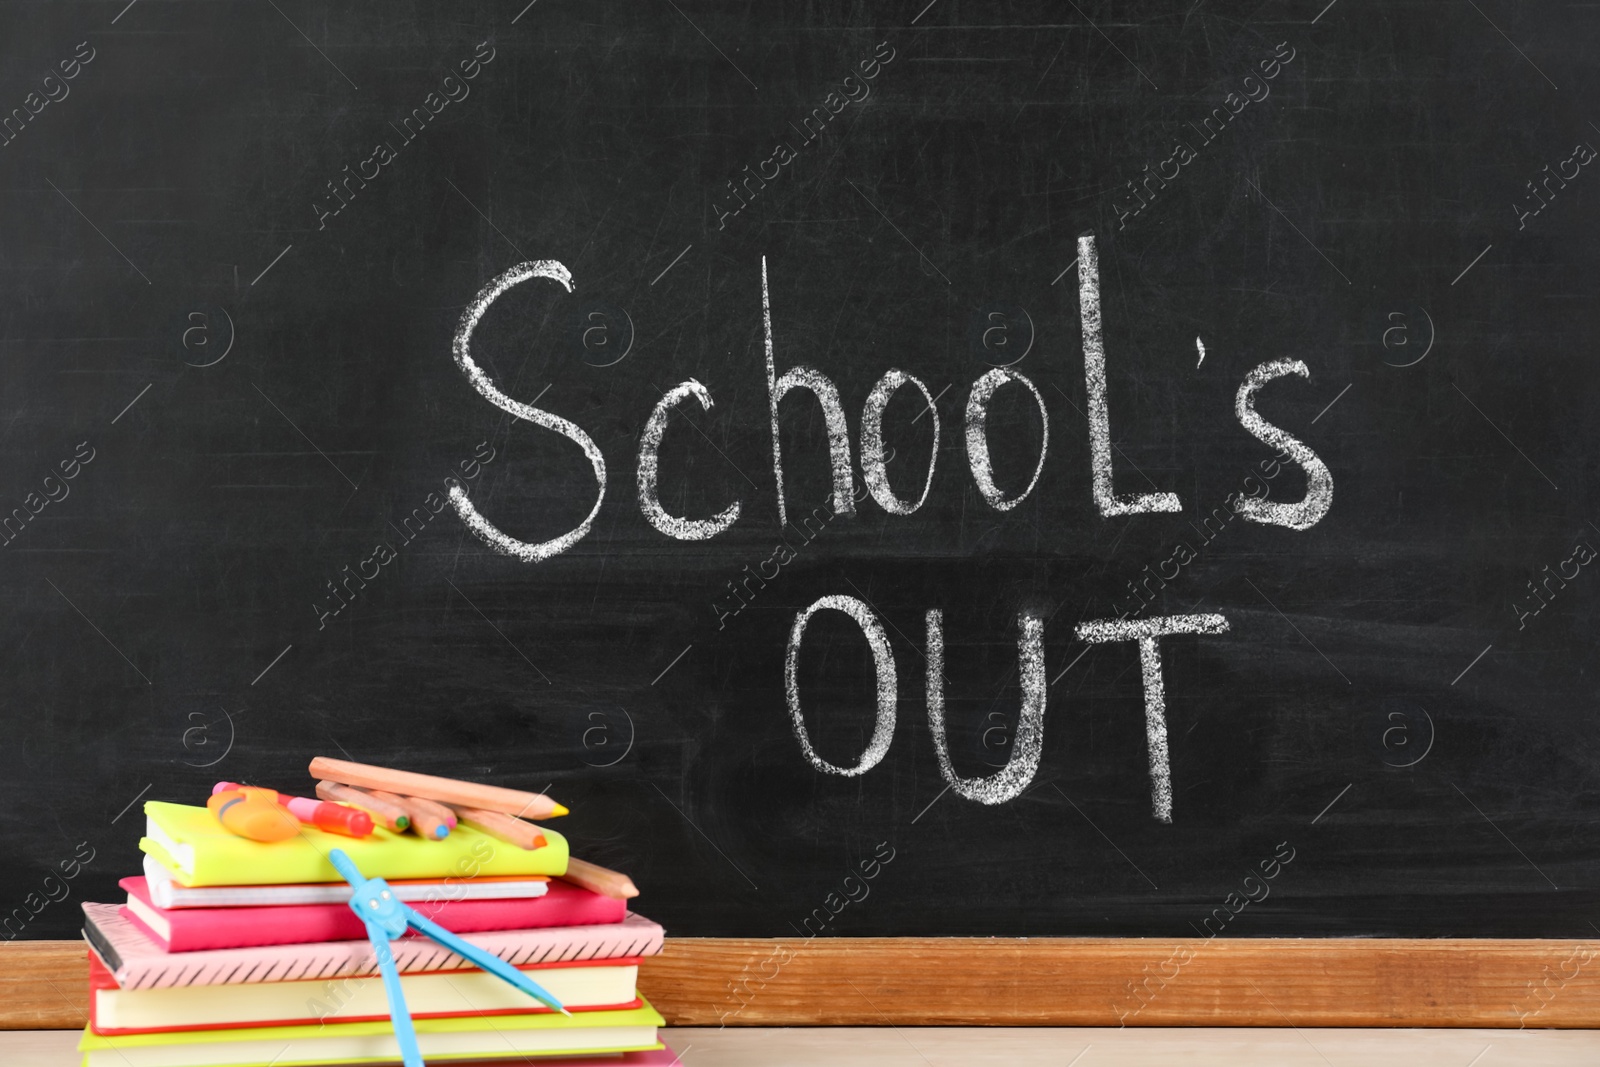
195	929
137	962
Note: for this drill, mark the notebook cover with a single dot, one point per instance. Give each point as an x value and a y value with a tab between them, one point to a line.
221	858
100	978
591	1056
166	893
138	963
643	1015
194	929
274	1038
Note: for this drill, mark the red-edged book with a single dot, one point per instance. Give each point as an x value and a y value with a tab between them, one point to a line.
195	929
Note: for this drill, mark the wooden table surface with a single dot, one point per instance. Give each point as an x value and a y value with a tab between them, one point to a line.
1050	1047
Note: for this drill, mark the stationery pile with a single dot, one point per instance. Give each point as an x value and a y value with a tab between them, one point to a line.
270	929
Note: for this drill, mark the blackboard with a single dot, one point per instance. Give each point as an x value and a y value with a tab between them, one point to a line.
239	243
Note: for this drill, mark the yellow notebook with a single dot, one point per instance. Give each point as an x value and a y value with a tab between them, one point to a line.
189	842
473	1038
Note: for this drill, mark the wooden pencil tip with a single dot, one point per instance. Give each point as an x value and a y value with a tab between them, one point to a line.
558	809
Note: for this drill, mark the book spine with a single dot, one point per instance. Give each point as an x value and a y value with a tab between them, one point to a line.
101	945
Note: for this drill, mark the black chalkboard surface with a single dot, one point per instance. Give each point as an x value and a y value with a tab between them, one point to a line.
265	496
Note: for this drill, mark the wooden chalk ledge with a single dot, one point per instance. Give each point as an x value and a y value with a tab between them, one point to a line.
1036	982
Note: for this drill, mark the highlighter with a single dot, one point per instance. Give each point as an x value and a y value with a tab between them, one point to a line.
335	818
253	813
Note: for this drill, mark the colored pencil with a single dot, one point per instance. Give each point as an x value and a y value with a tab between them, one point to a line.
425	822
392	816
598	879
440	811
508	829
446	790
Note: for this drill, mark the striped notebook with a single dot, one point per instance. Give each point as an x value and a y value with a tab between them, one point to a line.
137	962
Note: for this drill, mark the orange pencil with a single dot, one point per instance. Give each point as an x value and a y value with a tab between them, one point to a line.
392	816
445	790
598	879
506	828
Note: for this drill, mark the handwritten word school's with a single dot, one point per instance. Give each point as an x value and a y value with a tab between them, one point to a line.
1010	781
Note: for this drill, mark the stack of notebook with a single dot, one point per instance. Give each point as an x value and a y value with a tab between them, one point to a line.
237	952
